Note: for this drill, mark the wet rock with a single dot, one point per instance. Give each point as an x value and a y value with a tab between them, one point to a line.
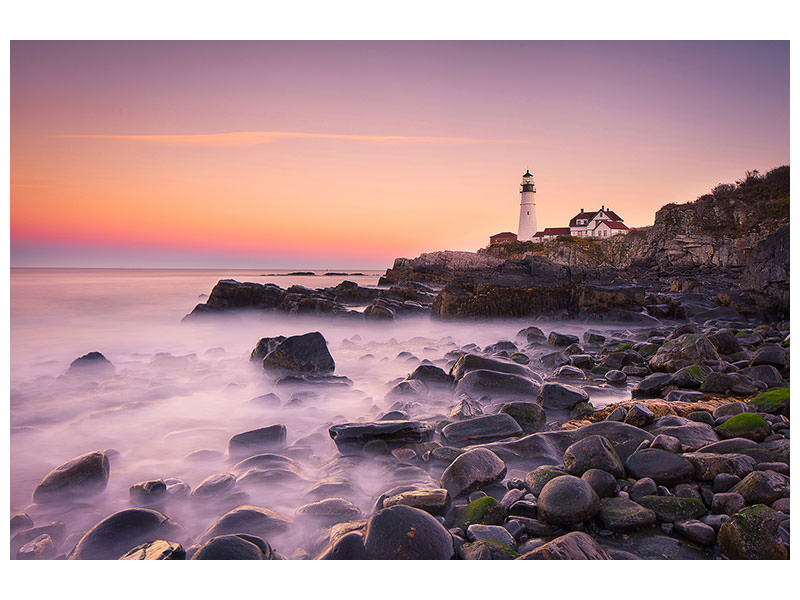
330	511
156	550
79	478
592	452
19	522
691	377
93	364
257	441
490	532
531	335
41	548
639	415
662	466
769	354
120	532
566	500
697	532
482	382
466	408
727	503
472	470
746	425
572	546
433	501
483	510
683	351
486	550
214	486
762	487
666	442
693	435
618	414
603	483
724	482
350	546
621	514
651	386
528	415
56	530
535	480
306	353
616	377
148	492
766	374
254	520
561	339
581	410
351	438
673	508
431	376
474	362
569	372
403	532
560	397
752	534
234	547
489	428
265	346
708	466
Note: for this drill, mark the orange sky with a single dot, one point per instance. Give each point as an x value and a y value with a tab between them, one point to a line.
325	155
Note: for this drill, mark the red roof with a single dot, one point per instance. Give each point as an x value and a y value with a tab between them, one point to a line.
616	224
582	215
538	234
613	216
504	234
556	231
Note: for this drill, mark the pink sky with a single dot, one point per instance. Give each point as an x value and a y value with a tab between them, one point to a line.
348	154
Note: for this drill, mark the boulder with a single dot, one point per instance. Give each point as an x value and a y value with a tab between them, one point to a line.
122	531
403	532
561	339
329	511
536	480
762	487
156	550
479	430
307	353
639	415
691	377
474	362
482	382
265	346
651	386
257	441
528	415
350	546
752	534
621	514
434	501
697	532
662	466
693	435
79	478
707	465
472	470
40	548
93	364
214	486
769	354
745	425
673	508
561	397
254	520
683	351
148	492
350	438
566	500
485	549
592	452
603	483
476	531
572	546
234	547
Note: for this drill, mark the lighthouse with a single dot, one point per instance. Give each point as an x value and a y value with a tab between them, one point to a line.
527	208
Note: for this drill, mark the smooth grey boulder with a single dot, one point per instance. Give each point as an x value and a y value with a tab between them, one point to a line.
566	500
529	416
257	441
405	533
480	430
122	531
592	452
234	547
472	470
561	397
79	478
307	353
621	514
662	466
350	438
572	546
473	362
253	520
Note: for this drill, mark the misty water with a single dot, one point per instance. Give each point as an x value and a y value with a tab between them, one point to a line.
186	387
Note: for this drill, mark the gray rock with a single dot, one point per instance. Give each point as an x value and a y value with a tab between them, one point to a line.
661	466
41	548
472	470
762	487
535	480
120	532
257	441
666	442
592	452
253	520
651	386
329	511
603	483
434	501
350	438
561	339
693	435
724	481
490	532
482	382
707	465
639	415
752	534
528	415
566	500
618	414
234	547
79	478
727	503
306	353
214	486
558	396
616	377
572	546
479	430
403	532
619	514
148	492
697	532
769	354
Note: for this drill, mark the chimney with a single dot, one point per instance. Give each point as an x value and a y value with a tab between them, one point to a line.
581	209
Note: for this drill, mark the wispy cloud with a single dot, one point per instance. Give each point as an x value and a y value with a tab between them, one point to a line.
252	138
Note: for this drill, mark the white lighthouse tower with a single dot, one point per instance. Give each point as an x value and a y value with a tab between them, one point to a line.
527	208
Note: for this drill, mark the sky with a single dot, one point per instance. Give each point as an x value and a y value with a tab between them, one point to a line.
333	155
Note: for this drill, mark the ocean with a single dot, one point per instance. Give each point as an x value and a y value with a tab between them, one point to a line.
180	390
